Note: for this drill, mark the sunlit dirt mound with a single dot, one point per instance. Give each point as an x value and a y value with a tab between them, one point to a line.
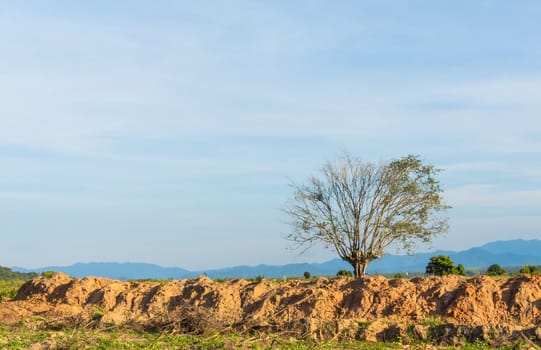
375	308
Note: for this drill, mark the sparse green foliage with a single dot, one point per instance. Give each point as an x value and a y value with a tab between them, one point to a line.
433	320
259	278
307	274
398	275
345	273
97	314
19	338
364	324
359	208
495	270
47	274
11	281
9	288
442	265
530	269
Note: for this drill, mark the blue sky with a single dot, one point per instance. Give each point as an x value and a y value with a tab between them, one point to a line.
168	131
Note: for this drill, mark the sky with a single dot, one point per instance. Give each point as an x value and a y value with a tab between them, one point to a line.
169	132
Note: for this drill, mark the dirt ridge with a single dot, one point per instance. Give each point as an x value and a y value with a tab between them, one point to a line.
368	308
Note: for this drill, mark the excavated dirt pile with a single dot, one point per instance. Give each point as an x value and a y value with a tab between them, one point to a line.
441	309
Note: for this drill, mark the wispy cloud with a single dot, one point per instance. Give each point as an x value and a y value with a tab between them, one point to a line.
494	197
128	108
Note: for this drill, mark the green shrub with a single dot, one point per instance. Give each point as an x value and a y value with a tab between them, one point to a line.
346	273
97	313
8	289
530	269
495	270
47	274
307	274
460	270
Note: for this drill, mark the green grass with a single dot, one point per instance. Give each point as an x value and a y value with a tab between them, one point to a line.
433	320
23	337
9	288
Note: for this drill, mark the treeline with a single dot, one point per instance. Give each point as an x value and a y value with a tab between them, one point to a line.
441	265
7	274
11	281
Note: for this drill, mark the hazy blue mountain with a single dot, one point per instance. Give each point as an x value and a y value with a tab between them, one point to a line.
520	246
471	258
124	271
505	253
328	268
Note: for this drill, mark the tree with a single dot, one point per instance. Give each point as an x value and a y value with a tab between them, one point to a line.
359	209
442	265
495	270
307	274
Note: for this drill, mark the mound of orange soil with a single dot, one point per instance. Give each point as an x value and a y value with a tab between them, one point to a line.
368	308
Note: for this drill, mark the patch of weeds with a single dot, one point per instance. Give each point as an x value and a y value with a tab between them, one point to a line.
150	280
221	280
17	337
257	279
9	289
363	324
432	320
97	313
477	345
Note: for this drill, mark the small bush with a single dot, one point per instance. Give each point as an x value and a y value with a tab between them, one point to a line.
307	274
530	269
495	270
460	270
47	274
97	313
345	273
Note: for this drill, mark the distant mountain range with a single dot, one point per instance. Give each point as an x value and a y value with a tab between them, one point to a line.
505	253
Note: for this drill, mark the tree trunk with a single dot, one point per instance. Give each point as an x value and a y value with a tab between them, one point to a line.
364	266
359	267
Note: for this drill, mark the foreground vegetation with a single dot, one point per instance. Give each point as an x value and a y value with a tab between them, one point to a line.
23	337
